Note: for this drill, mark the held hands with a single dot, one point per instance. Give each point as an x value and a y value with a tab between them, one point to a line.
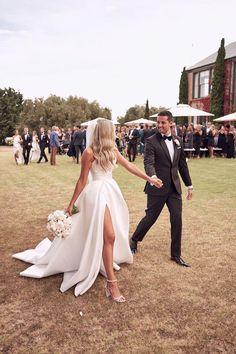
154	181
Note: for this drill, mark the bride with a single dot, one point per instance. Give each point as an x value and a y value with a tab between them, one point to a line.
99	236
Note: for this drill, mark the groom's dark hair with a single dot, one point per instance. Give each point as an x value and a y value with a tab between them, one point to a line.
166	114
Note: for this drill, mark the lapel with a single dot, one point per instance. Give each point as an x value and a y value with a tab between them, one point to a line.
175	150
163	145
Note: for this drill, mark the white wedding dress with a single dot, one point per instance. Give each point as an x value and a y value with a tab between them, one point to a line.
79	256
35	150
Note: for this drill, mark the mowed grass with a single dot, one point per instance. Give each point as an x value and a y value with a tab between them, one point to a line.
169	309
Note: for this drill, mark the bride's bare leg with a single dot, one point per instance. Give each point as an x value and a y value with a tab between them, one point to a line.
16	156
107	254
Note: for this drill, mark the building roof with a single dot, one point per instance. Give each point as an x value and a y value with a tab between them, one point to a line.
230	52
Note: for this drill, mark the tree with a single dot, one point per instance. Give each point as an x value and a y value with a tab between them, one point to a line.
183	87
10	108
64	113
137	112
147	112
217	93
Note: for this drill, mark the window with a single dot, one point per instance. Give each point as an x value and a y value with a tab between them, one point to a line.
201	84
234	86
196	86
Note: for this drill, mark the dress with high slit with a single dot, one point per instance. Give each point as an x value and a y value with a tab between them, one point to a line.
79	256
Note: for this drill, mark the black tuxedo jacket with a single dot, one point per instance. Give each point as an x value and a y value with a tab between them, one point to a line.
78	138
27	143
134	136
43	140
157	162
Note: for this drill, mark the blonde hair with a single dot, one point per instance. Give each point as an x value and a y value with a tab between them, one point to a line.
103	144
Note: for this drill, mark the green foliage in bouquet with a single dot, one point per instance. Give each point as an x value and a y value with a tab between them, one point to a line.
75	210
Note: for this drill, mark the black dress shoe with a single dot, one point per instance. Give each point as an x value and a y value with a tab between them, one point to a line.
180	261
133	246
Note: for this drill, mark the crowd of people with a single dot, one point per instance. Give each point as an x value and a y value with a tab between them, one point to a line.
198	140
29	147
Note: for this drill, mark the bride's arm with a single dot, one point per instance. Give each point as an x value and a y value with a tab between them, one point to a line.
86	162
136	171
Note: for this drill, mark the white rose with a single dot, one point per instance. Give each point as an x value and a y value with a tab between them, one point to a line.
177	142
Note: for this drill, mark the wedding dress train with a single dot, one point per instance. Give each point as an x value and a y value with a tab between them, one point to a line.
79	256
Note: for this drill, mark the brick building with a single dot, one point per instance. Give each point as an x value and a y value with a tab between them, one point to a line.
200	78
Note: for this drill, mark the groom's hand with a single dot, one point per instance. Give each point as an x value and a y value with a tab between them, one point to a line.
190	194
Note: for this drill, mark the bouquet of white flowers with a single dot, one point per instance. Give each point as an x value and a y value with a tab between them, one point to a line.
59	223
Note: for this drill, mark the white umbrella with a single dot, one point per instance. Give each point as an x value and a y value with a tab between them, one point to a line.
141	121
184	110
227	118
89	121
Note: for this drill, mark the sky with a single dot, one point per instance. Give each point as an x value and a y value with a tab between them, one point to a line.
118	52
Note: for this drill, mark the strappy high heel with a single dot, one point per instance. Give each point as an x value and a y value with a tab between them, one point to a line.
118	299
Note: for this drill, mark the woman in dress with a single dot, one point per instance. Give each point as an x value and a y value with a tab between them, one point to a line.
222	140
17	148
35	151
98	241
197	140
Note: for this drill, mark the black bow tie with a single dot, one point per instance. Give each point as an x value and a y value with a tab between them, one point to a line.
167	137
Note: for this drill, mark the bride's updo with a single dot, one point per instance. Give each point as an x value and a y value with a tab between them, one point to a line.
103	143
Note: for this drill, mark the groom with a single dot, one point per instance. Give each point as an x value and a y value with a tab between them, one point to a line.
164	158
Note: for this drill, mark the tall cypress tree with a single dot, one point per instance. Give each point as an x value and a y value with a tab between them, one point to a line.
217	93
183	87
147	113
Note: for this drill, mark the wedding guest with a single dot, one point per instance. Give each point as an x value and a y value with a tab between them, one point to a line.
61	134
17	148
133	142
141	144
54	145
176	130
78	140
188	140
35	151
222	140
197	139
147	132
43	143
49	133
230	147
71	152
27	145
210	139
68	134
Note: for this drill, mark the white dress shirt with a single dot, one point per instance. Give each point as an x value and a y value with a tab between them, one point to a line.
170	147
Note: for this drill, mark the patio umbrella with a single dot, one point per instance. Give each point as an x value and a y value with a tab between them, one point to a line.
89	121
227	118
141	121
184	110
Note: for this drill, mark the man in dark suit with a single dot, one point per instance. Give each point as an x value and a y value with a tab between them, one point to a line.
27	145
164	158
43	143
133	142
79	142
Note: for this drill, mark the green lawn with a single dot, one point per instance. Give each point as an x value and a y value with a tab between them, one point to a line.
169	309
